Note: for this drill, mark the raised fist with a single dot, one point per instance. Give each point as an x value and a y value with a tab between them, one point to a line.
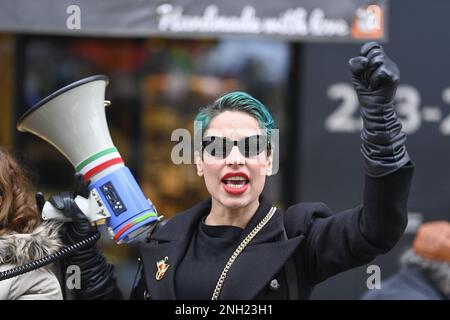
374	75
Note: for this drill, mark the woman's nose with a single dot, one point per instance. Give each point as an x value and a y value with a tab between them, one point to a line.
235	157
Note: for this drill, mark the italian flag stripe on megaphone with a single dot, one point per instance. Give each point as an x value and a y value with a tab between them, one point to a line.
98	162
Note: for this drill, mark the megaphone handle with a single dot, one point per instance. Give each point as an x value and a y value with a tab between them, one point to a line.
49	212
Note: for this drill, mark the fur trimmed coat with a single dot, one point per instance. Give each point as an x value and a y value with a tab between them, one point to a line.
19	249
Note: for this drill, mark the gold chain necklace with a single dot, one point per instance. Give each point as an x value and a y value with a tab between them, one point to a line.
238	251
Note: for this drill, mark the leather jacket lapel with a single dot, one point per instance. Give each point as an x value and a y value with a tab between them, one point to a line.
171	241
164	288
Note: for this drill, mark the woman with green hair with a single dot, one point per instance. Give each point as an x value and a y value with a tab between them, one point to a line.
236	244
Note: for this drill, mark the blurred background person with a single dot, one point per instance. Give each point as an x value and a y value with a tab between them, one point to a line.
425	268
24	237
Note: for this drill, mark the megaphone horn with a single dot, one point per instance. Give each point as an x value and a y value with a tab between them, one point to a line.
73	120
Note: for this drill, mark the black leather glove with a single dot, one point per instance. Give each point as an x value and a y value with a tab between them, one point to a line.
375	78
97	276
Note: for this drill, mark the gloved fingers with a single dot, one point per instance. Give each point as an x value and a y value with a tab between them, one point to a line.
78	230
368	46
377	61
80	227
80	186
67	205
372	66
72	209
385	74
379	76
358	65
58	200
40	201
375	53
393	73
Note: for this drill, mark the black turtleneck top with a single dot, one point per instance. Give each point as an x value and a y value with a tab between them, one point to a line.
208	252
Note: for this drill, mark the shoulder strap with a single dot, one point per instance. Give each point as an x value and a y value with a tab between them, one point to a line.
291	274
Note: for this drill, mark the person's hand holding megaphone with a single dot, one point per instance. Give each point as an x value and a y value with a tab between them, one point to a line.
96	274
80	227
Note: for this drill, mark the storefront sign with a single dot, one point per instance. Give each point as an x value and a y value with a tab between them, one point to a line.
308	20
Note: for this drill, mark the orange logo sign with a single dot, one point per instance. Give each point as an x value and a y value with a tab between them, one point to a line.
368	23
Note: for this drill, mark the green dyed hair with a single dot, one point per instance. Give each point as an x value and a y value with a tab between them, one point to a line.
236	101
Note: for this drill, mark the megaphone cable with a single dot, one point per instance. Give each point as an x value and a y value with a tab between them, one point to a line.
64	252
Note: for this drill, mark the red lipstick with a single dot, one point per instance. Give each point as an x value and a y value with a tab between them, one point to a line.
235	183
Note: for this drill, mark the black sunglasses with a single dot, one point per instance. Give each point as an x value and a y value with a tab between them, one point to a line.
251	146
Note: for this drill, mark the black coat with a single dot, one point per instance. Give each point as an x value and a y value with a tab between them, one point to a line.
320	243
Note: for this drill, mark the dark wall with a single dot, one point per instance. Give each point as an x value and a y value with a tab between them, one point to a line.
331	167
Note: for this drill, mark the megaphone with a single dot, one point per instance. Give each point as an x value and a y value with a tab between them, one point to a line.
73	120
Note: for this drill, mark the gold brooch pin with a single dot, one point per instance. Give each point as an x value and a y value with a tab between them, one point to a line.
161	268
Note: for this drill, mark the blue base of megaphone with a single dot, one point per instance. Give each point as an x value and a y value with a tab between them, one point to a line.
131	212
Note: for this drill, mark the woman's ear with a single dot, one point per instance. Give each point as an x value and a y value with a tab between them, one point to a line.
198	163
269	164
